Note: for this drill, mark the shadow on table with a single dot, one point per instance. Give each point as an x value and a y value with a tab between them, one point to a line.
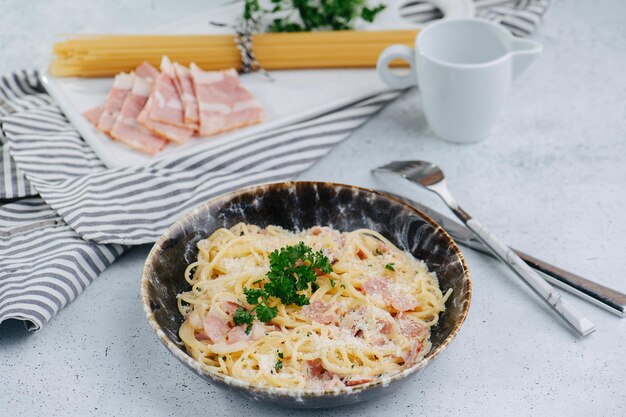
12	331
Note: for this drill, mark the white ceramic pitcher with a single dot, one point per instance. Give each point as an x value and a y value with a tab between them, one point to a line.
464	69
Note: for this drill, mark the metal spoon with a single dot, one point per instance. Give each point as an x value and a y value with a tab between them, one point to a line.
431	177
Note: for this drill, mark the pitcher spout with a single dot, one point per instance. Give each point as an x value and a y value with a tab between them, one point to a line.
524	52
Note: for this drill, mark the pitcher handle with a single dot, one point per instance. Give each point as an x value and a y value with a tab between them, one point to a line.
393	80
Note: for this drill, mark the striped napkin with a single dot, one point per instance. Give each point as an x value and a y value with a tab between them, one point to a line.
74	217
520	17
65	217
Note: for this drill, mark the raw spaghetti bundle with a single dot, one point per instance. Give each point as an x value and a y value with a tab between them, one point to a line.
106	55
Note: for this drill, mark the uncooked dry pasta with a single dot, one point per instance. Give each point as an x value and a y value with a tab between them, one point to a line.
107	55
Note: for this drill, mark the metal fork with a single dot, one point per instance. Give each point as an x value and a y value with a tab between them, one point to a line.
431	177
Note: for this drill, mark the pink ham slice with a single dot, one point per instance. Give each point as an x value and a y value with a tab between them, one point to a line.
402	302
166	105
215	327
238	333
315	368
222	102
146	71
128	130
93	115
411	356
376	287
115	100
163	130
229	307
391	294
187	94
320	312
409	327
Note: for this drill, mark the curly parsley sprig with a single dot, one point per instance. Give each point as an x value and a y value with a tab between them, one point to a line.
306	15
293	270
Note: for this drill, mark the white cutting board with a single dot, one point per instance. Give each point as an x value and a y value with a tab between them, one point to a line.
293	96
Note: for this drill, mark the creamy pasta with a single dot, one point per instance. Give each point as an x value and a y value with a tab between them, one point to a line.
369	317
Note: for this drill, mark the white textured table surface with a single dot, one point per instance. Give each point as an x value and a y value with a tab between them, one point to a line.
551	181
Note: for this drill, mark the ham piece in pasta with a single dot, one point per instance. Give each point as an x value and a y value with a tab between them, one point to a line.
222	102
128	130
187	94
166	105
115	99
393	294
320	312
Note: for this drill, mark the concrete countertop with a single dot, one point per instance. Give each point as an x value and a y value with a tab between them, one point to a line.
551	180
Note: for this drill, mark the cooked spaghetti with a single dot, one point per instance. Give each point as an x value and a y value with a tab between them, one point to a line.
367	317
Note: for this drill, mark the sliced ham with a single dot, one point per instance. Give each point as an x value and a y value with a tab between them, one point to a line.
229	307
166	106
164	130
391	293
93	115
146	71
376	286
147	108
315	368
187	94
128	130
215	327
122	86
222	102
409	327
238	333
320	312
402	302
410	357
322	378
201	336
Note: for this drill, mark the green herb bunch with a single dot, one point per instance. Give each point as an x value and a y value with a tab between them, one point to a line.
293	270
310	15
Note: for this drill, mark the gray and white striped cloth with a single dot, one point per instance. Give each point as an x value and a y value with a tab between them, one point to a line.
54	243
65	217
520	17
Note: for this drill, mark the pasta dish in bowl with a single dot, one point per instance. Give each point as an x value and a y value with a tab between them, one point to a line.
289	302
366	312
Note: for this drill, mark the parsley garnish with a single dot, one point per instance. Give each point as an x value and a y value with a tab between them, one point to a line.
299	15
390	267
279	365
292	271
280	355
332	283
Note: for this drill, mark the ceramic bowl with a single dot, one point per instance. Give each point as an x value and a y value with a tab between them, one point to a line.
301	205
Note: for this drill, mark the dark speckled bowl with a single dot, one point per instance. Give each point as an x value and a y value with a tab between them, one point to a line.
300	205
